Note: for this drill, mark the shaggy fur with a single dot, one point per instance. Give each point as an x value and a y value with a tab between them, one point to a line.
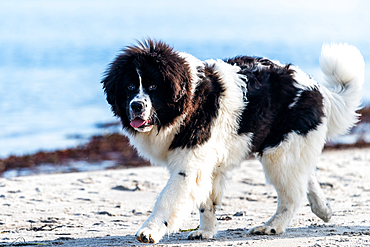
202	118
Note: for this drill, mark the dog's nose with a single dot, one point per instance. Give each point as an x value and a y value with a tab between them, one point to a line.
137	106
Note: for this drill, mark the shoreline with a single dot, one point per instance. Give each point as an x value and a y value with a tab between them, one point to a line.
114	147
110	151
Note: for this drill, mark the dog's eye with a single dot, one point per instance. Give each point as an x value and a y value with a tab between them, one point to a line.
152	87
131	87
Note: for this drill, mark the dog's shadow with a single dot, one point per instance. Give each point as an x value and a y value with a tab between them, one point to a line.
239	236
223	237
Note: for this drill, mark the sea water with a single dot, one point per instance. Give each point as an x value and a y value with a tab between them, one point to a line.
53	54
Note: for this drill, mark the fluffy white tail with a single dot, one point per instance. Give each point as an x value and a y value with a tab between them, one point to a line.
344	69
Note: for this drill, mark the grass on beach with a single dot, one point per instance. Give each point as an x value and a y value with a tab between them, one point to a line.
113	147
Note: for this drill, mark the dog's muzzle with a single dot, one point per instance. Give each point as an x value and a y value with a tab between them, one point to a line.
141	117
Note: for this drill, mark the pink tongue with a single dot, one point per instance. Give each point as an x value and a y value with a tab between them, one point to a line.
137	122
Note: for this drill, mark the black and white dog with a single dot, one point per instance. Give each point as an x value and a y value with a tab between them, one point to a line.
202	118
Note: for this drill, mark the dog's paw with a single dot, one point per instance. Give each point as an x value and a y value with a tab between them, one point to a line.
201	234
146	235
324	212
266	230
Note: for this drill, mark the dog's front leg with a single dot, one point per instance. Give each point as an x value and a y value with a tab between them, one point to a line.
174	202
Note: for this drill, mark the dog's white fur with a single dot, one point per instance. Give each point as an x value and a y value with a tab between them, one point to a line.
289	167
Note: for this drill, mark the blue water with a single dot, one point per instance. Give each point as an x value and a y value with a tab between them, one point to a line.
53	53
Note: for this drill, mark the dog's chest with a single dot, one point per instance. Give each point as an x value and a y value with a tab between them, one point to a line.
153	146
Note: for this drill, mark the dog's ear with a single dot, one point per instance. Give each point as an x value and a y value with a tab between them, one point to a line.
176	85
176	77
172	66
110	83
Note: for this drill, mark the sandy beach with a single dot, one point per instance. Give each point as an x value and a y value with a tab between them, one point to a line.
106	208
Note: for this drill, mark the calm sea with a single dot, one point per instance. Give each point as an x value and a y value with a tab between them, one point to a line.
53	54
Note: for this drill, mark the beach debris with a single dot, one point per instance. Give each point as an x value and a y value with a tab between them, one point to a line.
189	230
86	181
105	213
240	213
224	217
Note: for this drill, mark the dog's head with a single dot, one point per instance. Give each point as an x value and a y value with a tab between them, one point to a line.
147	85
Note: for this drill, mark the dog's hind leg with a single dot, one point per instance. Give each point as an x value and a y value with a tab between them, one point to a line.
207	210
290	187
288	168
319	205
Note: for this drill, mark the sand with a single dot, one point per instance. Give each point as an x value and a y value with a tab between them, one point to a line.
106	208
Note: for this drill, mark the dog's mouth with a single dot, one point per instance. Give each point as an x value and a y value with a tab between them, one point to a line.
142	125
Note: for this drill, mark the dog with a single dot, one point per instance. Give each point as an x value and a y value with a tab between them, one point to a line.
202	118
